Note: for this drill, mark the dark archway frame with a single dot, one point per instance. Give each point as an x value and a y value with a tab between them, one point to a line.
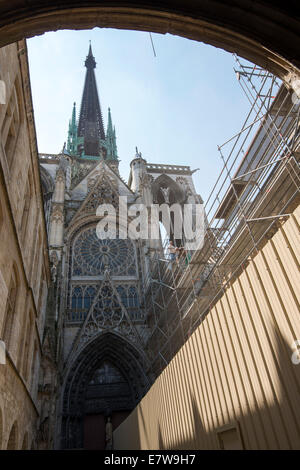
263	31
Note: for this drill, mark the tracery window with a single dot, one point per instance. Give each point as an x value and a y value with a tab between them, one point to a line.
89	296
92	255
123	295
82	297
132	297
77	298
128	295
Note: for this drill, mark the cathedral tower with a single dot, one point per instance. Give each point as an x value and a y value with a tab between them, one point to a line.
87	138
100	284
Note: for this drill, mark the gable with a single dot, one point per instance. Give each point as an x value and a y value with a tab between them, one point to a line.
81	189
100	186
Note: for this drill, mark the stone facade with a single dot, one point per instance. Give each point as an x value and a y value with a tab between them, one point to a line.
86	270
24	262
98	286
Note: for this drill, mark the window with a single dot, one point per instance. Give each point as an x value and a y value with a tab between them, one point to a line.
77	298
26	209
123	295
26	351
133	297
40	305
10	309
81	300
37	263
89	296
11	123
230	438
35	364
91	255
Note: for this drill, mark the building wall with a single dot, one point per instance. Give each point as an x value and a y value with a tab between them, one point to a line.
233	384
24	269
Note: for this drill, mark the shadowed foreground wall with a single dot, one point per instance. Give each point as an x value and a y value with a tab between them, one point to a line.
236	368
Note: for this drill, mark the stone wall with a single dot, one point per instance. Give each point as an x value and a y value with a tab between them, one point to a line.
24	265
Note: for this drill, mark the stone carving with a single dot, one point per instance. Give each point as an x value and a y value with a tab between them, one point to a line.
137	153
107	312
146	181
57	212
79	171
53	262
184	184
53	273
102	193
166	194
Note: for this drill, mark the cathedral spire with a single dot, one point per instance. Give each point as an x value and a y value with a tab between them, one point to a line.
72	134
90	125
112	153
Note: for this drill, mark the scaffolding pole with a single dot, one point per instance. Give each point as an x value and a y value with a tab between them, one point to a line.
250	184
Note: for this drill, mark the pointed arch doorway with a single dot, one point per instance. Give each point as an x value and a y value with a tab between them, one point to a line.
107	379
108	395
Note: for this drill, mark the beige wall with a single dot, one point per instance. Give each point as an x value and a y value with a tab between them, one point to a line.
23	251
235	371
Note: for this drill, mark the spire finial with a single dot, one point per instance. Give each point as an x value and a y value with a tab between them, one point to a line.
90	59
90	131
72	134
137	153
112	153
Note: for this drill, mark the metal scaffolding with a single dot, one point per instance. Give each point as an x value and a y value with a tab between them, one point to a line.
257	188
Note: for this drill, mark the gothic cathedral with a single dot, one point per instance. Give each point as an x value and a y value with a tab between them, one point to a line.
101	329
114	338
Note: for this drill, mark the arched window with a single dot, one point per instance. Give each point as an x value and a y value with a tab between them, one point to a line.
47	189
34	369
77	298
27	341
10	312
12	120
89	295
132	297
26	209
123	295
41	292
81	300
36	278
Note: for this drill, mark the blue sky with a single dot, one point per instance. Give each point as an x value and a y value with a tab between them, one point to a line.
175	107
